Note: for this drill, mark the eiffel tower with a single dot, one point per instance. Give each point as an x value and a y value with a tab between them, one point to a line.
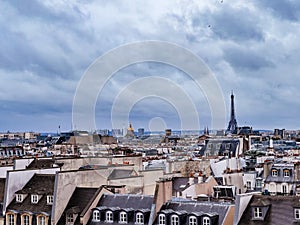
232	125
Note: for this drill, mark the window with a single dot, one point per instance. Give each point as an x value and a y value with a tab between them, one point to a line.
258	183
34	199
123	217
274	173
25	220
41	220
70	219
174	220
286	173
297	214
161	219
11	219
206	220
257	212
49	199
139	218
227	146
96	215
109	217
248	184
284	189
19	198
192	220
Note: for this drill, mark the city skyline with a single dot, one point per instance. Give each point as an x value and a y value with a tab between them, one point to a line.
251	48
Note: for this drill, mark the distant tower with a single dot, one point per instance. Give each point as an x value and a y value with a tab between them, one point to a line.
232	126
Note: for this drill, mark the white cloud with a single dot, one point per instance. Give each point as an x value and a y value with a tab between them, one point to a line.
252	47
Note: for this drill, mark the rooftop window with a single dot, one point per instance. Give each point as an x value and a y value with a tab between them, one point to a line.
123	217
96	215
34	199
257	214
297	214
162	219
19	198
274	173
206	220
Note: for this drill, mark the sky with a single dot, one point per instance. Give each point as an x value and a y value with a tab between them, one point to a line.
250	47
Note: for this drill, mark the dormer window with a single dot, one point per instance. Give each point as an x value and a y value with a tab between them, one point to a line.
19	198
206	220
123	217
34	199
192	220
109	217
257	214
96	215
49	199
162	219
274	173
139	218
286	173
174	220
297	214
70	219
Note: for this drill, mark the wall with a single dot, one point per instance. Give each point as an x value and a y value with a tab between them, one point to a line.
188	166
149	180
134	185
87	212
250	177
235	179
20	164
241	204
3	170
76	163
67	181
16	180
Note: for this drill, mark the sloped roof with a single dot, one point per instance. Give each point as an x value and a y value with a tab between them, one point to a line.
41	163
121	173
281	210
2	188
198	208
41	184
78	201
125	201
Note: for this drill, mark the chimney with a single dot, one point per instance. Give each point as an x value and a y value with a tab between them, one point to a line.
200	179
267	168
191	180
163	193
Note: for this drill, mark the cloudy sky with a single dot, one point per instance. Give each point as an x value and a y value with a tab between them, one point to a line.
251	47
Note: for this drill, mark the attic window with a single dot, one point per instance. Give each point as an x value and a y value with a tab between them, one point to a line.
206	220
274	173
34	199
96	215
174	220
139	218
49	199
19	198
109	217
70	219
257	214
286	173
192	220
297	214
123	217
162	219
